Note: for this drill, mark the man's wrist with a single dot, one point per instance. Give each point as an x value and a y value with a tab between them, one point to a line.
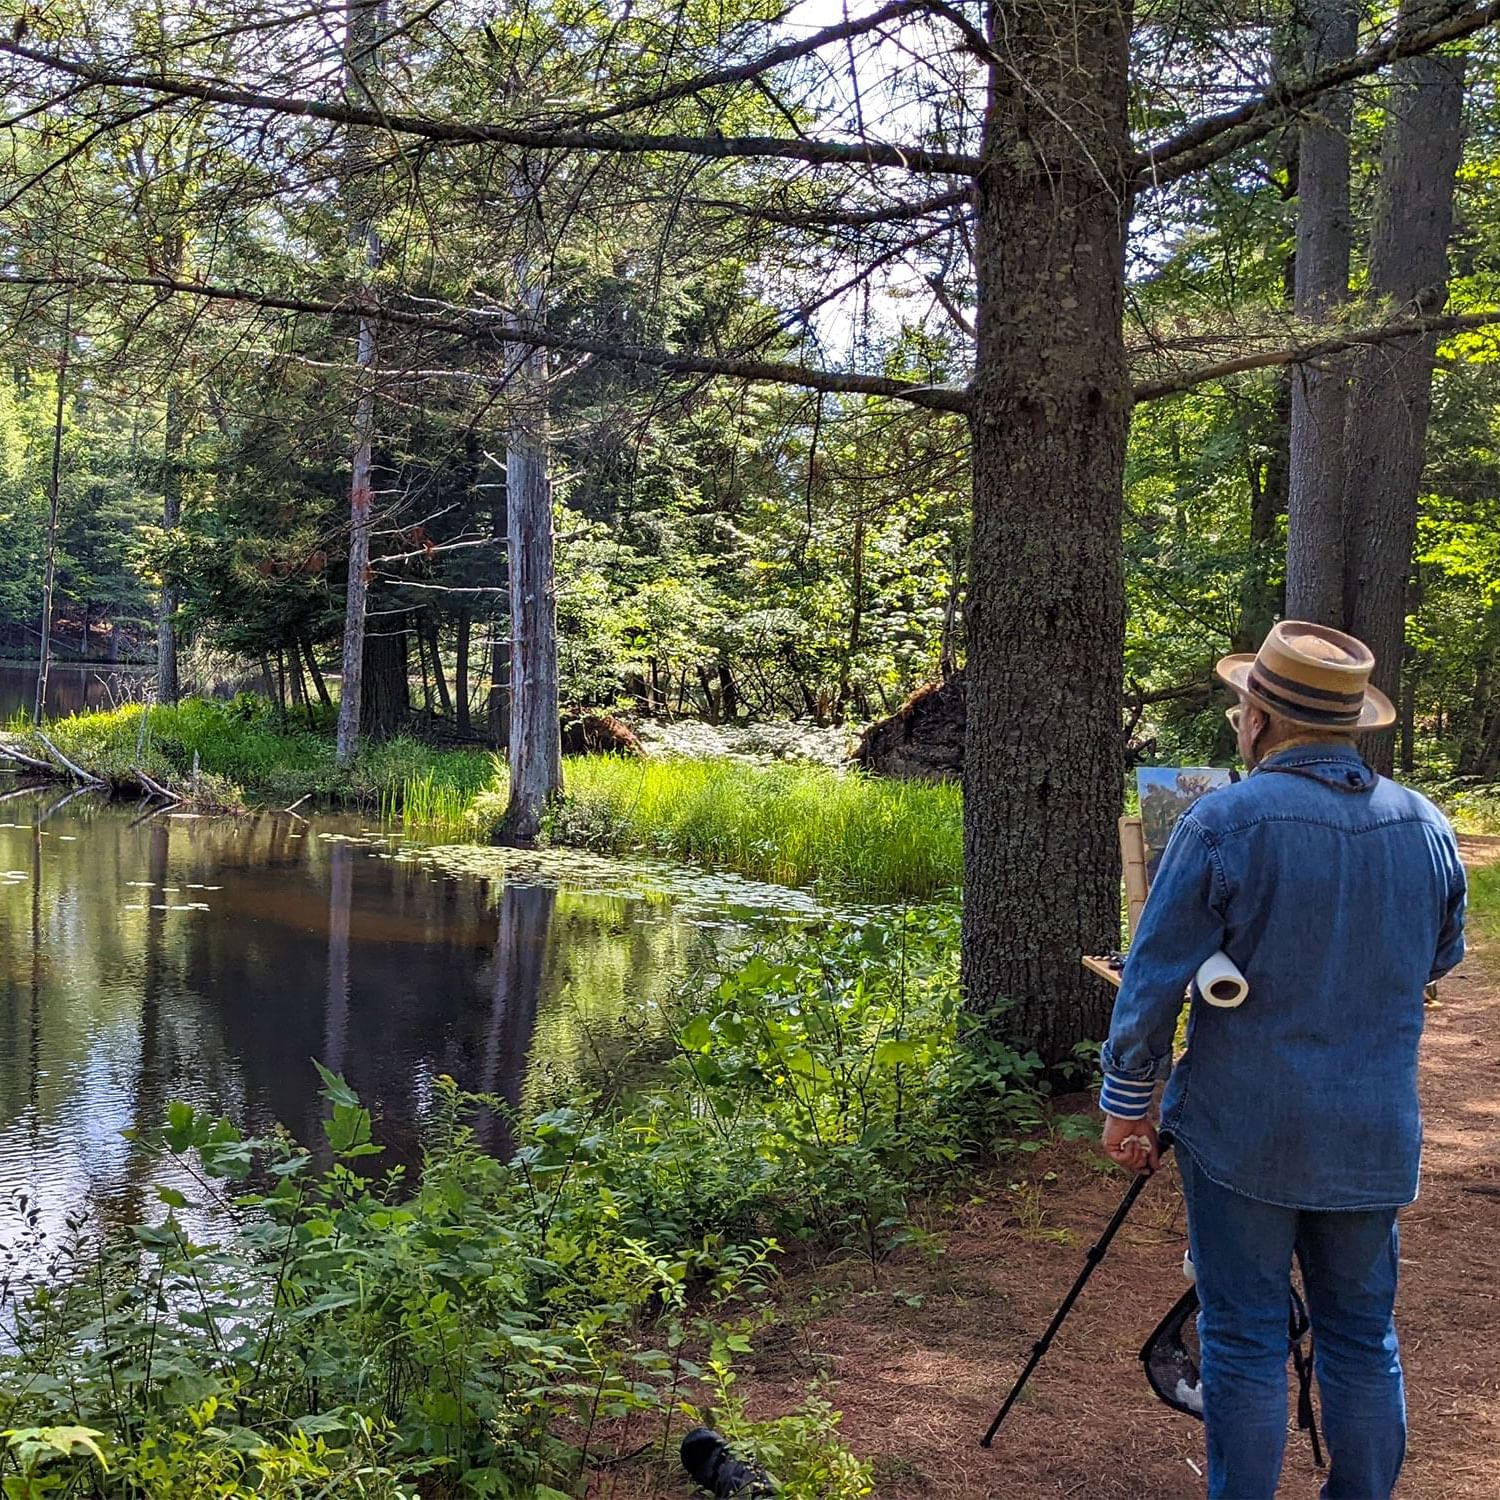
1125	1099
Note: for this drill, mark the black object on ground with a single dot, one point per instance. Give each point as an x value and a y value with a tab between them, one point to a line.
711	1465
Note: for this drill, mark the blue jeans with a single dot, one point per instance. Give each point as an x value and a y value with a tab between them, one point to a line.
1242	1252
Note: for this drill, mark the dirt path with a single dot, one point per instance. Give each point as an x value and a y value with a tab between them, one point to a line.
918	1383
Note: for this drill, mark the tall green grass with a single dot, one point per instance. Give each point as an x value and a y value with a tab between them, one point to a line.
798	825
241	745
793	824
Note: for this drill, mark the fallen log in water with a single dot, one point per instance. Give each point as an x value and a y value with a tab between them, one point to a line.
30	762
77	772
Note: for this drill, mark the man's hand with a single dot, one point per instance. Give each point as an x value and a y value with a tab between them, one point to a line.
1131	1144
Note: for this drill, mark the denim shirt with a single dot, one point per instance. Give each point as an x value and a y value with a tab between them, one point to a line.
1339	895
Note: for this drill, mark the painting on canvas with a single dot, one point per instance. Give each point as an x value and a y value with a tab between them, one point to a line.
1166	793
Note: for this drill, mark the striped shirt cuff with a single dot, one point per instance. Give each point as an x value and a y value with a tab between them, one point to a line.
1125	1100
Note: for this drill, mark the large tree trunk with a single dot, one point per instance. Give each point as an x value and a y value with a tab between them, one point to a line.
171	516
384	686
363	19
1046	605
1315	508
1391	393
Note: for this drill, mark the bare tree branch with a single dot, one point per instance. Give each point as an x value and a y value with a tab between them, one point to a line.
1301	354
531	138
1217	136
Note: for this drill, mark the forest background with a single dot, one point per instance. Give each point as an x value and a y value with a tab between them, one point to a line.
746	362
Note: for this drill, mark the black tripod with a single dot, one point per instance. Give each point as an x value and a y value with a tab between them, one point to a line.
1091	1261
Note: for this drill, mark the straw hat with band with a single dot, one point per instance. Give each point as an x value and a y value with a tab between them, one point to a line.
1311	675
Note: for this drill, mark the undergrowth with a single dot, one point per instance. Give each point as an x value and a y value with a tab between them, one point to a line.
301	1325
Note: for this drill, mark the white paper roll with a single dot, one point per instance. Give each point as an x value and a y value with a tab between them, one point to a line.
1221	984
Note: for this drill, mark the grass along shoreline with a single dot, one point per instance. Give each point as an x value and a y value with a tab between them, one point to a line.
791	824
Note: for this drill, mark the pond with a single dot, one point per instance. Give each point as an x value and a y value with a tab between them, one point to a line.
153	958
71	689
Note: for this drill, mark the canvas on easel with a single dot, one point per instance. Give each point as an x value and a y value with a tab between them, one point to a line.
1166	792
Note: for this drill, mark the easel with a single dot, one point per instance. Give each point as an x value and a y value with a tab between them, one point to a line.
1137	887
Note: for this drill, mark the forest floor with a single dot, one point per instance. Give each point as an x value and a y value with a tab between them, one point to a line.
918	1354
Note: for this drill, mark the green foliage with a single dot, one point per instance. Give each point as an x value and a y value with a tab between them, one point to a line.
801	1450
1484	900
299	1323
241	743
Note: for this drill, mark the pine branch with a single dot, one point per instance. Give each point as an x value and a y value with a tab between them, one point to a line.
1301	354
756	67
918	159
1217	136
484	329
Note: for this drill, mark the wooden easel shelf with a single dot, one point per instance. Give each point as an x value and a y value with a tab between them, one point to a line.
1098	963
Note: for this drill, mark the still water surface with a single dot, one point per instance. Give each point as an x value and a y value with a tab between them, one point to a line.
71	689
211	959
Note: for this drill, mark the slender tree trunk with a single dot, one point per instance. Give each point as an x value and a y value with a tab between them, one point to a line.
315	672
1478	731
1315	510
439	678
363	21
535	718
421	640
54	502
461	673
500	638
856	620
1409	716
1392	389
1260	599
171	516
1043	766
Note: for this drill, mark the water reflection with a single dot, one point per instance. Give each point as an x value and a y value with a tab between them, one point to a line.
211	960
71	688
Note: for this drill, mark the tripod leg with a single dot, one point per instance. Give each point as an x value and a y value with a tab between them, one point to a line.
1091	1261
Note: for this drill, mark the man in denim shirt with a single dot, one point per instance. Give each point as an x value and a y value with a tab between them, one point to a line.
1339	895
